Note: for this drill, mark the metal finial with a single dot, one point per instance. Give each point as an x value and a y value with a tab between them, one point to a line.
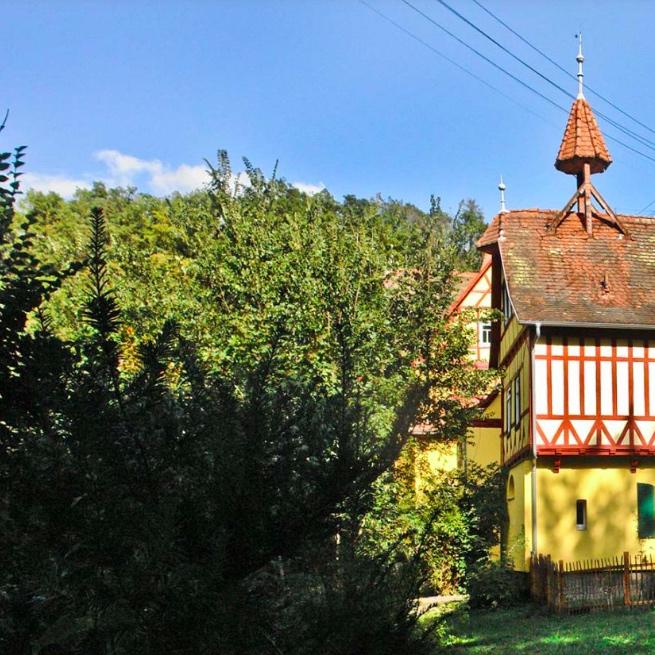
580	59
501	188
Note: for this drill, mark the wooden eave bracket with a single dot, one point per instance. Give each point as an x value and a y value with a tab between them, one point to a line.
601	201
567	209
559	219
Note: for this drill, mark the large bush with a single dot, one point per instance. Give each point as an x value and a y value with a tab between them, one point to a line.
494	583
450	517
191	427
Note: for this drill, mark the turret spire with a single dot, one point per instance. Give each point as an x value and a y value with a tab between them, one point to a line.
582	153
580	60
583	141
501	188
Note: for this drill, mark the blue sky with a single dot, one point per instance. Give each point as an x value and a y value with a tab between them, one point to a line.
141	91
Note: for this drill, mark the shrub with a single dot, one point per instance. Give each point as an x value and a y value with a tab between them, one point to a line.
458	515
493	583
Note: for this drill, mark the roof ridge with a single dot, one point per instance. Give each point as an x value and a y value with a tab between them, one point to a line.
536	210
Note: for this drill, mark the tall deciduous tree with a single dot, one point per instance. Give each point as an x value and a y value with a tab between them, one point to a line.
162	498
467	227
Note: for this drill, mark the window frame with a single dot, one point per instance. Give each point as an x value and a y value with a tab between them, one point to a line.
506	303
485	329
645	510
516	404
581	514
507	423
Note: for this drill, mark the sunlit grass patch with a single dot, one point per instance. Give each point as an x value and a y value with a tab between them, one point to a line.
531	630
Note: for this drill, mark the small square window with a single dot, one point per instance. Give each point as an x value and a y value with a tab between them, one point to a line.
485	333
581	514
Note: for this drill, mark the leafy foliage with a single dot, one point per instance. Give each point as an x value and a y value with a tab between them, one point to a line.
191	426
457	515
493	584
467	227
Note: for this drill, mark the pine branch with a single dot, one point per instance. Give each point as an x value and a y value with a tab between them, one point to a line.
101	310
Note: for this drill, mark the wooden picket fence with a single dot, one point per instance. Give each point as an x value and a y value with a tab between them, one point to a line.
600	584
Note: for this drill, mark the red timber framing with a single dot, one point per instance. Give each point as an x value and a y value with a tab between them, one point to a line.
475	297
594	395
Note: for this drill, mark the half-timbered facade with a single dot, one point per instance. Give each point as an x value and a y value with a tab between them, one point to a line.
599	397
474	299
576	348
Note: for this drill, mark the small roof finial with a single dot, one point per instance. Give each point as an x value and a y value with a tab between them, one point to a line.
580	60
501	188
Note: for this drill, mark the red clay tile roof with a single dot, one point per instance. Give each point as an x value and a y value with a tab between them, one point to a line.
565	277
582	142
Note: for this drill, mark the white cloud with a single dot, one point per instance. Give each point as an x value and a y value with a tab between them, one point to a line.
64	186
120	169
125	169
309	189
239	181
183	178
150	175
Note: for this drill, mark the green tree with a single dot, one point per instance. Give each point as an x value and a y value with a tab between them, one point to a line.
197	440
467	227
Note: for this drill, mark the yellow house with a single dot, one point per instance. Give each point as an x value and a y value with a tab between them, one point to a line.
482	445
576	350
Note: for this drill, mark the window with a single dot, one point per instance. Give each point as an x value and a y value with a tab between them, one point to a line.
645	510
507	304
485	333
517	401
508	410
511	489
581	514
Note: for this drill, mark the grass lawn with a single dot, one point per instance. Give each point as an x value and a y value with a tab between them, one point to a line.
529	630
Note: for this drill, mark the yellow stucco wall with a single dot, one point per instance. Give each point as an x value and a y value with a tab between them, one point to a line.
429	459
439	457
610	490
510	334
518	539
483	444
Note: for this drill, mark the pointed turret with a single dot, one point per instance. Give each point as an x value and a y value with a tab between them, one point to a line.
583	152
583	141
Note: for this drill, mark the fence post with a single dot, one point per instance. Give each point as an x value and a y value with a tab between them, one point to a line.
550	583
560	586
626	579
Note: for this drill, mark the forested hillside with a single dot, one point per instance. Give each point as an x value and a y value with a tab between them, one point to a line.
201	402
167	255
